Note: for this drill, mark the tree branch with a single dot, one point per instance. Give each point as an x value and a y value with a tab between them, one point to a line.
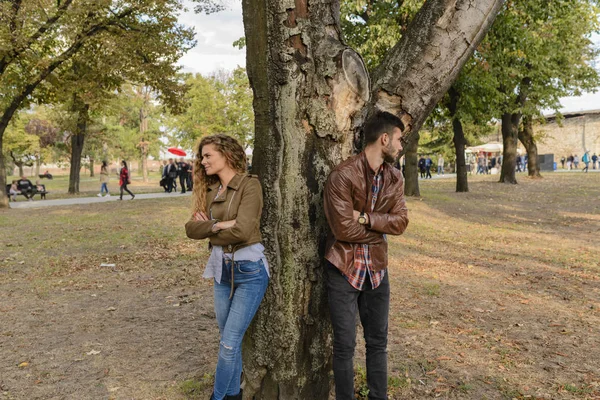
82	38
15	52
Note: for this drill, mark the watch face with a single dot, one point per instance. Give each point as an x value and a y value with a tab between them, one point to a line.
362	220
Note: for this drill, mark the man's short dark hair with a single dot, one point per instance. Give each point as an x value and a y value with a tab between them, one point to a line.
380	123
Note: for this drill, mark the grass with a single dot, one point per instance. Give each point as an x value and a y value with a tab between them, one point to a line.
495	294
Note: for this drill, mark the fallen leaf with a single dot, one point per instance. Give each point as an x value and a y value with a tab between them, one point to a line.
24	364
93	353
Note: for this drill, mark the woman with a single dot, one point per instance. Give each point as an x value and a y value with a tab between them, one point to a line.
103	179
227	205
124	180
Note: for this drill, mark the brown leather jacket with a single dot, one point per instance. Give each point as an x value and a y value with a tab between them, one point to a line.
346	191
242	201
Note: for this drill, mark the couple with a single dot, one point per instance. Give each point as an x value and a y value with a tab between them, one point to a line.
363	200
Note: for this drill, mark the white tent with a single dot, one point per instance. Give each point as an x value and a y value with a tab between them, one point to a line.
487	148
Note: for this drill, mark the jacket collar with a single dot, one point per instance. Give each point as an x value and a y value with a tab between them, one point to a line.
387	173
234	183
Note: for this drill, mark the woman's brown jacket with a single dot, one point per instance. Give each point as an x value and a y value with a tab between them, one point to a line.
242	202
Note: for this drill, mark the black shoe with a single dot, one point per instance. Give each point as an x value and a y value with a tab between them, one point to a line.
132	196
238	396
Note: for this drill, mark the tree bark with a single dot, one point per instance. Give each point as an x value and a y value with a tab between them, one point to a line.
38	162
460	142
411	179
91	167
309	89
77	141
3	194
526	137
510	127
143	128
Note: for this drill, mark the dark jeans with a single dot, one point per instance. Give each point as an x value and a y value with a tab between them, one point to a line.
124	187
372	305
182	183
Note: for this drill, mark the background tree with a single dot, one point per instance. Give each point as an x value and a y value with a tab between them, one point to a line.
311	94
221	103
538	51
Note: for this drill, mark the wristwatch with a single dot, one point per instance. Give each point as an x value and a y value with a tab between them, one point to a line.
362	218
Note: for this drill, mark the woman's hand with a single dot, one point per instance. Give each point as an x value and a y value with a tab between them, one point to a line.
199	216
219	226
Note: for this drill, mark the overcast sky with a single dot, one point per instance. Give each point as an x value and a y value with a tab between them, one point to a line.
216	33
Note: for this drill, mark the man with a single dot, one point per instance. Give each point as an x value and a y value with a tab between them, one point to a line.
182	172
594	159
171	175
586	160
421	165
164	176
428	164
26	188
364	201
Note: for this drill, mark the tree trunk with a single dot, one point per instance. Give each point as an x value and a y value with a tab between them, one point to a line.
91	167
37	166
411	180
309	88
143	128
77	140
3	194
510	127
460	142
526	137
21	170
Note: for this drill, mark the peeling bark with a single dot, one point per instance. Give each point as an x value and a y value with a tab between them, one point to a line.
526	137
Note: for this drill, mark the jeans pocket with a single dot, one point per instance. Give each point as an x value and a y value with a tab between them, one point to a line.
248	267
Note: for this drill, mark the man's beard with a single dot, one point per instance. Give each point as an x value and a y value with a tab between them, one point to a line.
389	156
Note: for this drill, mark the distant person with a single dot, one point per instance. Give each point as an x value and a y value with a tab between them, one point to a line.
493	162
440	165
428	164
26	188
171	176
562	161
570	162
13	191
594	159
190	178
576	161
519	164
183	173
41	189
480	165
586	160
46	175
421	165
104	180
124	180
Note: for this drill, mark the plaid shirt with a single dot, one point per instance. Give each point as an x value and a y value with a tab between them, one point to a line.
362	258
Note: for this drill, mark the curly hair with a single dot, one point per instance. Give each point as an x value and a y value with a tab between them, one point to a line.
236	159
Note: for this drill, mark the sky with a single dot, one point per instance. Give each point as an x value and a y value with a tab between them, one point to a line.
216	33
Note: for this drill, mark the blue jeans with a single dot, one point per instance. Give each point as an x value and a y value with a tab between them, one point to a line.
234	316
104	188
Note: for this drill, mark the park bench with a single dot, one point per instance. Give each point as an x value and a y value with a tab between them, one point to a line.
42	193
